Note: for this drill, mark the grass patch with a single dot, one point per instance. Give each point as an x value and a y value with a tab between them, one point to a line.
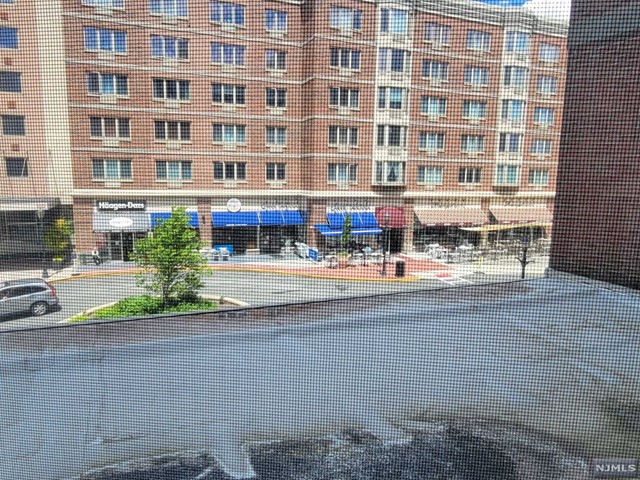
143	306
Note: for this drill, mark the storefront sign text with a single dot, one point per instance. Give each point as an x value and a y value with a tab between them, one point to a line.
279	206
234	205
128	206
353	206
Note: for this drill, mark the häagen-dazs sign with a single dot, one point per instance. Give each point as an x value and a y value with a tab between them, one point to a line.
129	206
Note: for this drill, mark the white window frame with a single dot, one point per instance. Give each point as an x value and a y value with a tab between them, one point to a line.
433	106
178	89
435	177
344	18
279	26
113	4
504	172
278	167
345	97
386	136
230	134
478	41
437	33
235	166
469	175
278	136
385	101
180	45
539	177
383	171
471	106
342	55
179	166
476	76
471	143
386	60
541	146
344	136
180	126
238	52
507	110
513	42
427	139
101	84
105	177
390	24
235	18
279	60
435	70
118	122
545	113
24	169
112	34
515	77
505	143
169	8
224	90
277	96
547	85
343	173
549	53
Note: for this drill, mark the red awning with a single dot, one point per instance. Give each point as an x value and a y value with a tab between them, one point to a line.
396	218
459	217
539	214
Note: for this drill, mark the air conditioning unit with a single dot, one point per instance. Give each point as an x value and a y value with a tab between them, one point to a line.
343	111
434	118
276	73
435	82
433	153
226	68
345	72
275	148
276	185
429	186
112	184
228	108
343	149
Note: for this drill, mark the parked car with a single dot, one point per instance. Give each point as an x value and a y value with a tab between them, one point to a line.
32	295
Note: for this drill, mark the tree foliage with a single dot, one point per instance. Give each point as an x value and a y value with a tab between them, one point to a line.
58	238
171	261
346	231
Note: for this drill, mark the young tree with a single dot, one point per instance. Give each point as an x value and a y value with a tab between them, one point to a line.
346	231
171	261
58	238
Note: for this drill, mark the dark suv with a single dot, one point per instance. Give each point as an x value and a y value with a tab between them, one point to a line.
29	295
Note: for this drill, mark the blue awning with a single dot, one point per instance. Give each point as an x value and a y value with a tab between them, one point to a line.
238	219
359	220
156	218
327	231
281	217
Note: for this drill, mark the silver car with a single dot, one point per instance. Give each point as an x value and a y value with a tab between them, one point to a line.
32	295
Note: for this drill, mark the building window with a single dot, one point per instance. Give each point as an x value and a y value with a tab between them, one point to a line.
275	60
435	70
275	21
173	170
345	136
228	13
16	167
231	134
539	178
512	110
437	33
172	131
469	175
344	97
104	40
169	47
392	98
390	172
174	8
222	53
507	174
276	135
345	18
394	21
479	41
510	143
344	58
543	116
342	173
430	175
109	127
433	106
433	141
515	77
107	84
275	98
472	143
166	89
477	76
111	169
541	146
549	53
234	171
517	42
228	94
276	172
473	109
10	82
391	136
547	85
393	60
93	3
13	125
8	37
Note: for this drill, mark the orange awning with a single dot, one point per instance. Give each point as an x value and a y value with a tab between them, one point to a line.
451	216
539	214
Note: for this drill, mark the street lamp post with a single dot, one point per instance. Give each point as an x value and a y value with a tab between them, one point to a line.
523	256
40	214
385	252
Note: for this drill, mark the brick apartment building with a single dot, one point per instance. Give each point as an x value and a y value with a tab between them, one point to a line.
269	120
597	219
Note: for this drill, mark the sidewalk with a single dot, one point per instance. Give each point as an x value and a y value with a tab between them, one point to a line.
417	266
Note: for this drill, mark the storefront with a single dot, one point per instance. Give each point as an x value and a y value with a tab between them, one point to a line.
446	223
393	222
118	224
364	230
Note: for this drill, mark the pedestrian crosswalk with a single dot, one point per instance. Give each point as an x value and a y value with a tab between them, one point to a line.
454	280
